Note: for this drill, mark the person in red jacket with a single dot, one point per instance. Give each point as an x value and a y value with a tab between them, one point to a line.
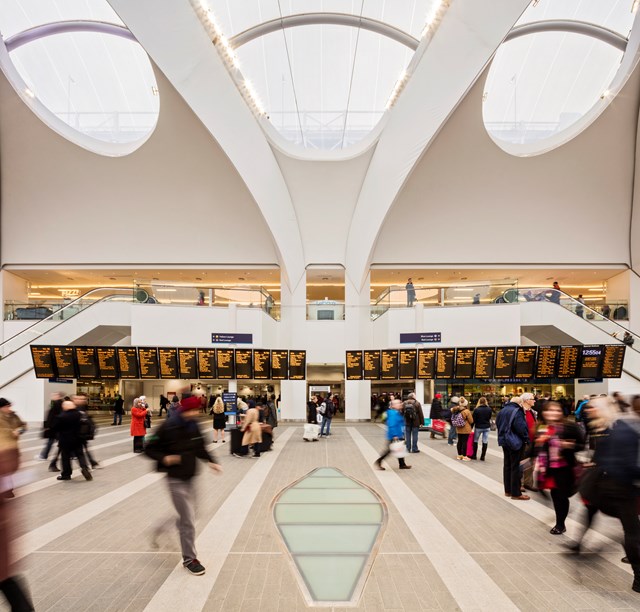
138	431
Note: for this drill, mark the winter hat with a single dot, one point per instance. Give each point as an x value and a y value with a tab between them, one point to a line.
438	396
189	403
455	399
4	402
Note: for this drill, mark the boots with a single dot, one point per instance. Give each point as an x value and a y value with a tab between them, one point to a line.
484	452
475	451
636	578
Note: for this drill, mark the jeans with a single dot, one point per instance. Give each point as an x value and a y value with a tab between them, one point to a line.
183	498
117	418
326	422
511	471
481	432
412	439
452	434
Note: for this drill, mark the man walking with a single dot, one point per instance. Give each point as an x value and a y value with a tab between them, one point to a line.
413	420
513	435
67	426
176	445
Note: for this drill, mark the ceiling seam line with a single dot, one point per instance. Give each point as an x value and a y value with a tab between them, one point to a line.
353	69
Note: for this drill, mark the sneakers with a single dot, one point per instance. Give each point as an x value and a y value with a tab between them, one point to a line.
96	466
63	478
87	474
466	459
40	458
53	468
195	567
459	457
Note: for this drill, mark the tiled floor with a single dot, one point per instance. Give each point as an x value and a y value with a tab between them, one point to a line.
87	545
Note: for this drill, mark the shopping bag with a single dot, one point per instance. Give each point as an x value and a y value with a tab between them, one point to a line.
438	426
398	449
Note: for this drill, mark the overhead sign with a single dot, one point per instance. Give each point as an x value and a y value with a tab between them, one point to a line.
420	337
232	338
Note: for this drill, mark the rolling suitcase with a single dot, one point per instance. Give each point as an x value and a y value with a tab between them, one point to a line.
311	431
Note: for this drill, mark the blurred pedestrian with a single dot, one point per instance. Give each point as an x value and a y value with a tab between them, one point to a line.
87	427
67	426
55	409
252	431
11	428
394	434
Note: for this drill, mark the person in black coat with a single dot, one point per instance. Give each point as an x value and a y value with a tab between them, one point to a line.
118	410
513	436
312	410
482	421
436	410
67	427
47	429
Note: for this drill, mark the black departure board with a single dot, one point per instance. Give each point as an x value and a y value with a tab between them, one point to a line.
568	358
371	365
612	360
128	361
445	362
225	364
279	365
86	362
167	362
505	362
148	361
244	366
354	365
206	363
591	361
547	363
64	362
388	365
485	357
262	364
187	363
526	362
107	362
297	365
407	364
465	358
427	363
43	361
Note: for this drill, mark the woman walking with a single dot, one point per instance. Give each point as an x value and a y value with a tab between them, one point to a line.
482	419
462	420
138	431
252	431
219	420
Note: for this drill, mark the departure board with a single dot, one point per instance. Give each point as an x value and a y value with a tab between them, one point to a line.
128	361
568	361
279	365
547	363
407	364
445	362
505	362
297	365
354	365
42	361
485	356
465	358
388	365
371	365
206	363
612	360
225	364
86	361
148	360
187	363
63	361
107	362
261	364
591	361
244	366
167	362
526	362
427	363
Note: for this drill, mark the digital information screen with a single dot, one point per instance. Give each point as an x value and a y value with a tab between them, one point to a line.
63	361
279	365
262	364
547	363
591	361
427	363
407	364
612	360
225	364
244	366
505	362
107	362
354	365
167	362
187	363
465	358
485	357
42	361
568	361
148	359
526	362
86	362
206	363
297	365
388	365
445	363
371	365
128	361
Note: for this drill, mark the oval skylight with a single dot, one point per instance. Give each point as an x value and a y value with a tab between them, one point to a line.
544	88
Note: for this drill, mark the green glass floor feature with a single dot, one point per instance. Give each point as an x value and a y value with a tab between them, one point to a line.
330	524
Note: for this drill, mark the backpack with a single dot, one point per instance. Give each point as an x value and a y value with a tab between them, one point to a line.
457	420
87	429
410	413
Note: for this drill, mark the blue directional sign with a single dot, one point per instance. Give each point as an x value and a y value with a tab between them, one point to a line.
420	338
232	338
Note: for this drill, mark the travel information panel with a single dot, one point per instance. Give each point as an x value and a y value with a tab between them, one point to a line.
86	361
464	362
107	362
590	361
187	363
568	361
612	361
148	361
206	363
407	364
388	365
244	365
505	362
525	362
279	365
371	365
354	365
225	364
42	361
261	364
445	363
128	361
547	363
64	362
427	363
485	356
297	365
168	362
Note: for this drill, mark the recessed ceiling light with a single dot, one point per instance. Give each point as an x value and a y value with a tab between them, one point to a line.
240	278
112	278
155	278
421	278
198	278
549	278
464	277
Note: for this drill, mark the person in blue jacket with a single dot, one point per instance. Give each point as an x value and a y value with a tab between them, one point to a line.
395	431
513	436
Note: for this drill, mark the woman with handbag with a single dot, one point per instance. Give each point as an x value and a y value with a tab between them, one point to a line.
138	430
395	436
555	446
462	420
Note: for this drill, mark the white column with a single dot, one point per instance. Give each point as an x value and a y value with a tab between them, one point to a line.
357	396
419	390
232	386
293	400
